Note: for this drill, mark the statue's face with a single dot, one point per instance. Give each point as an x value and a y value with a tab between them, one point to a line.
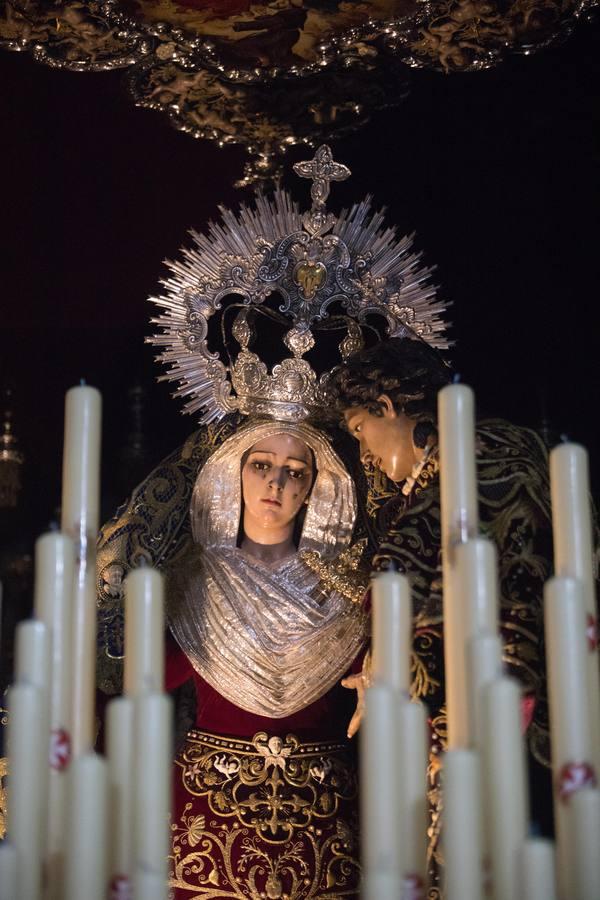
385	440
276	478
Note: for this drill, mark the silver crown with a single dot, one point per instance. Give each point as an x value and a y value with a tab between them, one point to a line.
311	261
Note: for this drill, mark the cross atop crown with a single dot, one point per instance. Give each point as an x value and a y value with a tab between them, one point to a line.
322	170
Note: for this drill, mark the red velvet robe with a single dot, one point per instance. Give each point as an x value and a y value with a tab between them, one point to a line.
254	817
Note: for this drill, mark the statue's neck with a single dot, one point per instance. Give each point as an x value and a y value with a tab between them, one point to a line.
268	553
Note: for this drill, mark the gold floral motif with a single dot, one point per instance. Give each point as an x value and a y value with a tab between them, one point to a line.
285	837
342	574
272	786
228	862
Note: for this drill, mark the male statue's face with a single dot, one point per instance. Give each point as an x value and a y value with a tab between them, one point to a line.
385	441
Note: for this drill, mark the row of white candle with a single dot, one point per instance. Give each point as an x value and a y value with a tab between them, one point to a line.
486	803
77	827
80	824
477	694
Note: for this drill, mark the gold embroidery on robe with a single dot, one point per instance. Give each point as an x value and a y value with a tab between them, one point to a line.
286	835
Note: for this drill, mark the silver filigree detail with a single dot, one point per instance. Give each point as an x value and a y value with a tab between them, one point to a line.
299	339
360	264
242	331
290	393
322	170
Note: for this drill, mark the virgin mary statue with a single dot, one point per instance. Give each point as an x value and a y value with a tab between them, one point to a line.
254	524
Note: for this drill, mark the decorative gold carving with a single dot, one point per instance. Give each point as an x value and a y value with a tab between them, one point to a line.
309	276
222	72
272	786
342	574
276	830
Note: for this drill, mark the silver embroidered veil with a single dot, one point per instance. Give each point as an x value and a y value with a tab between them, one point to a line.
266	636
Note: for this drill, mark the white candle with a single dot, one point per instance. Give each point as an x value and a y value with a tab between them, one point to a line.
573	556
472	581
32	666
484	664
380	800
567	682
80	519
586	844
461	826
120	756
144	632
506	797
477	568
149	885
458	483
413	755
53	604
32	645
81	461
537	870
152	807
566	648
392	630
8	871
459	522
27	785
86	859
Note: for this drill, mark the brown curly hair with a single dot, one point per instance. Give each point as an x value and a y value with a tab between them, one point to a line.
409	371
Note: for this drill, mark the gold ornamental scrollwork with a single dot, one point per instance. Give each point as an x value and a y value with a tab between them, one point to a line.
272	786
277	73
274	818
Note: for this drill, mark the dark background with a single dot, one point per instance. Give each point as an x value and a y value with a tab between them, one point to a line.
497	172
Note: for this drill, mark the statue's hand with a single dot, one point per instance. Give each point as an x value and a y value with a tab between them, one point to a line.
357	683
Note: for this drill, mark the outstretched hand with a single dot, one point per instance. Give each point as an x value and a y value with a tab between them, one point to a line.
357	683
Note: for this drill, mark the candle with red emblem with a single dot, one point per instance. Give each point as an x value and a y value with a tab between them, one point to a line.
120	743
568	695
573	557
53	605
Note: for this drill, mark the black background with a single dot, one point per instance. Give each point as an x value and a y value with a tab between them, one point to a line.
497	172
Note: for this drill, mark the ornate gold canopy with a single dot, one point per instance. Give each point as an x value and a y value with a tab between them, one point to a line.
269	74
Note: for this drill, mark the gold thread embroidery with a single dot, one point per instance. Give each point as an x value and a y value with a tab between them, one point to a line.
285	836
269	785
342	574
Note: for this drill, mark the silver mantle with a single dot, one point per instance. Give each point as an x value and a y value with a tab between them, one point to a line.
268	638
